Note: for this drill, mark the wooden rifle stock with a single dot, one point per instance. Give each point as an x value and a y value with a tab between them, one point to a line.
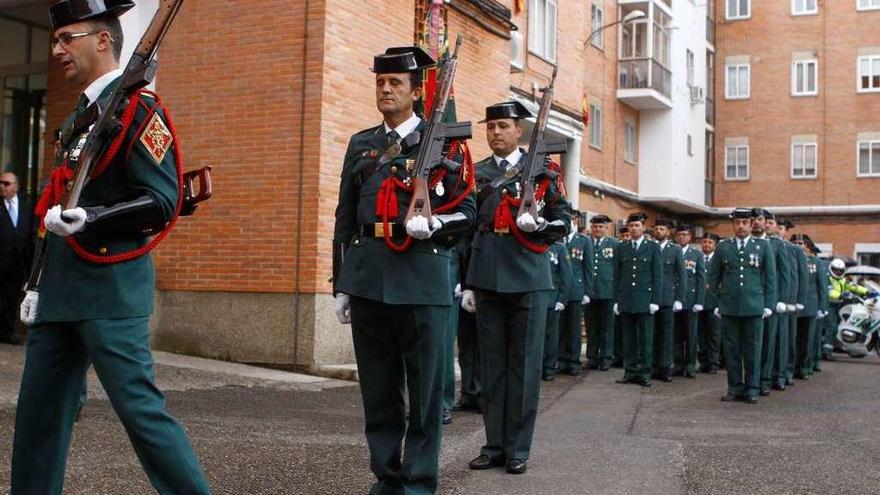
536	154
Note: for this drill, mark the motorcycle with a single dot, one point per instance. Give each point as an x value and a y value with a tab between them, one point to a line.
859	325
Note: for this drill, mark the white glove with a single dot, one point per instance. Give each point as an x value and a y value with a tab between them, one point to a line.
417	227
799	306
767	313
820	314
717	313
781	307
653	308
73	221
342	308
697	308
616	309
676	306
527	223
28	310
469	301
456	293
559	307
790	308
585	300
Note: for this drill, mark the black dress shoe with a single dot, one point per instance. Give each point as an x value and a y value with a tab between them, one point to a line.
713	371
817	369
729	398
571	371
466	405
604	367
690	374
548	378
750	399
593	366
447	417
644	382
483	461
789	381
665	378
779	386
624	381
764	392
516	466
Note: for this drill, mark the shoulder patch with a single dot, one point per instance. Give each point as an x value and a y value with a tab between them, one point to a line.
156	138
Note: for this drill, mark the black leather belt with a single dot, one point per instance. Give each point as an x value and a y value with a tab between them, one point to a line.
377	230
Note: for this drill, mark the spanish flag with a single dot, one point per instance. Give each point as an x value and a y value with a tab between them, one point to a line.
585	111
518	6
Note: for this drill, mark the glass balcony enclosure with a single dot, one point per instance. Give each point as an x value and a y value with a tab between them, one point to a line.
644	75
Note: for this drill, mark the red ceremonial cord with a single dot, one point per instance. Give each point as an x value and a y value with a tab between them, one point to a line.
504	218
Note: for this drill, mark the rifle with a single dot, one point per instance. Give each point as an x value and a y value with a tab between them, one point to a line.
434	138
537	155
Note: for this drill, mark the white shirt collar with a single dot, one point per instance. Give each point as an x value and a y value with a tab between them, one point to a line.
405	127
710	254
638	242
664	244
512	158
98	85
743	241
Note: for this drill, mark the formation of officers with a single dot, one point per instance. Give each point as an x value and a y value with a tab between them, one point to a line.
514	290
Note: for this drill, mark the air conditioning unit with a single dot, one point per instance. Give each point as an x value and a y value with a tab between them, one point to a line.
696	94
517	51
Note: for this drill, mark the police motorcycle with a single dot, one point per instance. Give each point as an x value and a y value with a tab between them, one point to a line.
859	325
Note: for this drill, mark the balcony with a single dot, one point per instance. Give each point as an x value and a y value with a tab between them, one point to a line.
644	84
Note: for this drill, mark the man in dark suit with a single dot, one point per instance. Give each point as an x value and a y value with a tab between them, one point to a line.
16	235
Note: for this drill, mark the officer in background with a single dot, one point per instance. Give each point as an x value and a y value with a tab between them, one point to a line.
799	278
617	362
823	309
507	284
670	300
743	274
580	252
468	342
638	278
560	267
449	345
774	352
687	320
815	298
392	280
709	328
600	312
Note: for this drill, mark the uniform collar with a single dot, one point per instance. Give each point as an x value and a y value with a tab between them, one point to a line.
710	254
664	244
744	241
512	158
94	90
13	200
684	250
638	242
405	127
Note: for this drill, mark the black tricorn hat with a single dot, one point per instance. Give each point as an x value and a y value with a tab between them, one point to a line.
684	228
742	213
800	238
712	236
636	217
600	219
788	224
507	110
623	229
761	212
68	12
402	59
814	248
663	222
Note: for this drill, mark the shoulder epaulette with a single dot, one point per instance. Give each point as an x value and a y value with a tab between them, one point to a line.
368	130
727	239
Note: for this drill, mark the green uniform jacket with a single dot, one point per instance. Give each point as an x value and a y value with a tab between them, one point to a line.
601	269
499	262
786	289
711	301
370	269
802	273
673	275
638	276
580	251
560	268
72	289
745	280
817	290
695	279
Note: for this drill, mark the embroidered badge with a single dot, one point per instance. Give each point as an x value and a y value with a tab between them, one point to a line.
608	252
410	164
156	138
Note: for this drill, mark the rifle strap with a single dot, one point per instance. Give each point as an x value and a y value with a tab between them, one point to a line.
505	220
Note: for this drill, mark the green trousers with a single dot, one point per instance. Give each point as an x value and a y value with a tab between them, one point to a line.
54	372
397	348
790	363
710	340
449	356
637	330
685	342
806	342
618	342
468	357
511	329
768	350
600	332
551	344
780	348
664	326
570	322
742	348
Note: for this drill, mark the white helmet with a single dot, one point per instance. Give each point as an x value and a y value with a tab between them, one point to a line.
837	267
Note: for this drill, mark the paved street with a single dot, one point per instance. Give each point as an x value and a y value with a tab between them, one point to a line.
267	432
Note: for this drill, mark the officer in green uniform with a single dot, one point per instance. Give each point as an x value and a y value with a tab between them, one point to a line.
743	274
686	321
600	311
822	266
670	300
709	326
96	311
774	348
638	278
392	278
449	345
617	362
560	267
799	278
508	280
468	344
815	298
580	252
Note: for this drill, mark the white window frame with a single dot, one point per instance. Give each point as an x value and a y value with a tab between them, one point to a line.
727	81
690	145
736	148
595	130
803	164
689	58
863	5
599	39
814	11
548	47
629	142
871	59
738	15
871	145
806	63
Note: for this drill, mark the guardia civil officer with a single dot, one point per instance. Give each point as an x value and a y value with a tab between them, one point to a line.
670	301
580	251
800	279
507	284
92	306
392	278
622	235
560	267
743	274
686	321
600	312
709	326
816	297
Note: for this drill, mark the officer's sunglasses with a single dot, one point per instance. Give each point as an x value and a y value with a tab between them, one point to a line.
64	39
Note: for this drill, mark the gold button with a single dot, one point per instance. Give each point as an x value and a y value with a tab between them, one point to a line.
394	169
103	250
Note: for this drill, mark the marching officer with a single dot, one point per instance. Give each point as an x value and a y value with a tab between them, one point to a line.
507	281
560	267
88	307
743	274
670	300
580	251
600	311
392	279
687	320
816	297
709	326
638	278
